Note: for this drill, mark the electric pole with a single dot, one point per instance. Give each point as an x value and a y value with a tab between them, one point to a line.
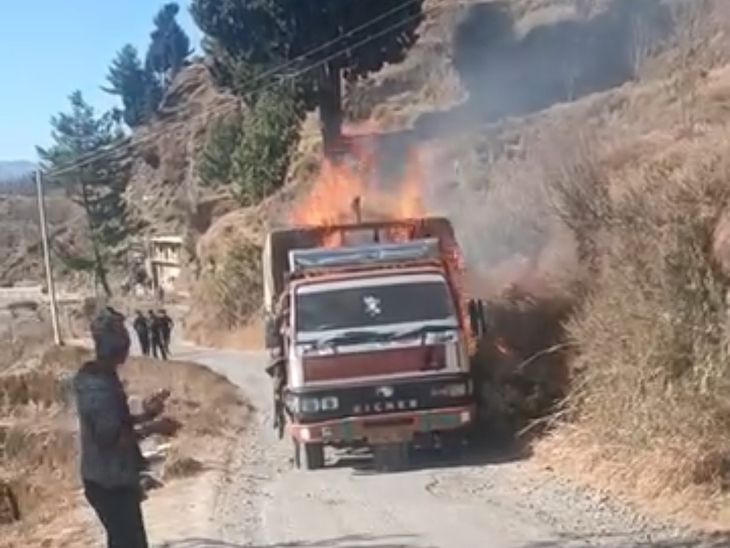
47	258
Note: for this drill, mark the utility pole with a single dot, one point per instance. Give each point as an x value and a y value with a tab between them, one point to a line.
47	258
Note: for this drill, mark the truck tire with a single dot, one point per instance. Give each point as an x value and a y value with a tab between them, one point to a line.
313	456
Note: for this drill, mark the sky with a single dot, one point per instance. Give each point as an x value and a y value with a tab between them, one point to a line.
49	48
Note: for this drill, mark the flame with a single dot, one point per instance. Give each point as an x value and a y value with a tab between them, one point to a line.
340	183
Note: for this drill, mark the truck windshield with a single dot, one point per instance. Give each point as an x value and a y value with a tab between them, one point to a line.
342	307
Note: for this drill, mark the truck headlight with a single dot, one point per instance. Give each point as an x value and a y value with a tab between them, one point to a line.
452	390
309	405
314	405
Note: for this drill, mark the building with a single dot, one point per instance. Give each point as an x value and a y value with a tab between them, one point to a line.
165	261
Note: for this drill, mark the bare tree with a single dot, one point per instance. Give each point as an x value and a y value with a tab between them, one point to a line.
691	20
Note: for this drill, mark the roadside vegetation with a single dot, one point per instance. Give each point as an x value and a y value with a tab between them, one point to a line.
648	399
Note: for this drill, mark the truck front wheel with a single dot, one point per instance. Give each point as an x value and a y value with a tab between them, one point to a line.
313	454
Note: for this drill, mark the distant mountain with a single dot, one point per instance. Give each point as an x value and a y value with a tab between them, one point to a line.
16	177
17	169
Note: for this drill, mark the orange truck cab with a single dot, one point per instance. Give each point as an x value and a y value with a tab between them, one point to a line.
370	325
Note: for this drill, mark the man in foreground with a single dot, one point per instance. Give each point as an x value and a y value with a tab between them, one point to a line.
111	460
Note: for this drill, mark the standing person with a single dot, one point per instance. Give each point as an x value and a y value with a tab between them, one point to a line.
143	332
156	337
166	324
111	460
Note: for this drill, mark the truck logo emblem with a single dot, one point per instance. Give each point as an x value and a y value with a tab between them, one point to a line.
372	306
384	391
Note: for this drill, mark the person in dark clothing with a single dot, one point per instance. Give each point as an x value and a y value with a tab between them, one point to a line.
166	324
111	460
156	336
143	332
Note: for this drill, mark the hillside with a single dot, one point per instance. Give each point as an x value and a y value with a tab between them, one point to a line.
165	191
21	257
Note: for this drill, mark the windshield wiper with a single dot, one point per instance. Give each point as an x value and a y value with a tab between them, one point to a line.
423	331
354	337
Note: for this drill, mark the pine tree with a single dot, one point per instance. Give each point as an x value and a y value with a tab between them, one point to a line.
263	33
216	160
169	46
95	179
136	86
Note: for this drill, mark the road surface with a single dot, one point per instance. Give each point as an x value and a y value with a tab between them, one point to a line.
483	501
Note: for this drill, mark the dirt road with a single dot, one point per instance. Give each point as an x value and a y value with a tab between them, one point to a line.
484	500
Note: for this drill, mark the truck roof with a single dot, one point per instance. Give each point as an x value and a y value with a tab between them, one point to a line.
405	270
323	243
371	255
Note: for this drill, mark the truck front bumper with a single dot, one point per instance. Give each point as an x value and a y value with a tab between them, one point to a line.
385	428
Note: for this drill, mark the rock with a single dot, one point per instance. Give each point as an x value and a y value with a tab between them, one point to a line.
9	509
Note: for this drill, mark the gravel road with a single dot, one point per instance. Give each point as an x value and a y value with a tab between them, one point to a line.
483	500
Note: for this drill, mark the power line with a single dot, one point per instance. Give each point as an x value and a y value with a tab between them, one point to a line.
129	142
333	41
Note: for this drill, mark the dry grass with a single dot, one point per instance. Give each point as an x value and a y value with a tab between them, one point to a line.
650	384
228	294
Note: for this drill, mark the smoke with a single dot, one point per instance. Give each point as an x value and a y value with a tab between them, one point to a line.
480	169
507	74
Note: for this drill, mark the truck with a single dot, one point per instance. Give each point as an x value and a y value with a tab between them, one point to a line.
370	335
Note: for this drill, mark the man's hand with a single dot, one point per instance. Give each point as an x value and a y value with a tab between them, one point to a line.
164	426
155	404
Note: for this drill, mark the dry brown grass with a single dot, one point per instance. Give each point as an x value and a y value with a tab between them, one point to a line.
228	294
650	383
38	443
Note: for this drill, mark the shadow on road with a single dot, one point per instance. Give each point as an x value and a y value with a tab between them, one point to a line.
479	452
349	541
628	540
615	540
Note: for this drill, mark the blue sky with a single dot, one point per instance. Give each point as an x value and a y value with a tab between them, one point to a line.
48	48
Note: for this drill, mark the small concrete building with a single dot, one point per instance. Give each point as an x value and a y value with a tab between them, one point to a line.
165	260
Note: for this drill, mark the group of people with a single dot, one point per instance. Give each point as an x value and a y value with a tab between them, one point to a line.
154	332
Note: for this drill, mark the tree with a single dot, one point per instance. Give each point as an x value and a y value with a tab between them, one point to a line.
92	178
139	90
170	46
265	33
216	159
271	133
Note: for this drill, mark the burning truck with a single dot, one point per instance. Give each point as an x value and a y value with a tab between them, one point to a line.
370	333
